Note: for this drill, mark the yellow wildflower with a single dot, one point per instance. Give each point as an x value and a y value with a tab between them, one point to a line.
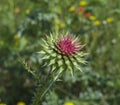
27	11
72	8
16	37
57	21
2	104
69	103
62	25
109	19
21	103
96	23
92	17
83	3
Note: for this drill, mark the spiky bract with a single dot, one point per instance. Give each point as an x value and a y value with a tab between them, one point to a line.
62	52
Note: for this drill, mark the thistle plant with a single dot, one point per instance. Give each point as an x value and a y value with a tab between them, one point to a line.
59	52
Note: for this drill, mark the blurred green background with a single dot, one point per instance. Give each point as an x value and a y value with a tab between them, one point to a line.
24	22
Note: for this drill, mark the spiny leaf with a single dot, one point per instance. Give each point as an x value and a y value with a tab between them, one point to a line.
60	63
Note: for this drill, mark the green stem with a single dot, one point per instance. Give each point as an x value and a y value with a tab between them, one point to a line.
43	89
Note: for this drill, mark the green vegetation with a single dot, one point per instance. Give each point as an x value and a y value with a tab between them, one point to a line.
23	23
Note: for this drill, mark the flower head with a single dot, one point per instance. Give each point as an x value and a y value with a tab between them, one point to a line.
21	103
80	9
92	17
68	45
57	21
109	19
16	10
83	3
27	11
72	8
96	23
2	104
68	103
62	25
87	15
62	52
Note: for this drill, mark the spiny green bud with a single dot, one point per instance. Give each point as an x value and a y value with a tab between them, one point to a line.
62	52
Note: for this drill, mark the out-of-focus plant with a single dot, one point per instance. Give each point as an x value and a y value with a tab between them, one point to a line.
2	104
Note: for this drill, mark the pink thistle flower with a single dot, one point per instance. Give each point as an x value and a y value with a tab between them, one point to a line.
68	45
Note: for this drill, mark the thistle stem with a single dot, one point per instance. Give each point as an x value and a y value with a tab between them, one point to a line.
43	89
